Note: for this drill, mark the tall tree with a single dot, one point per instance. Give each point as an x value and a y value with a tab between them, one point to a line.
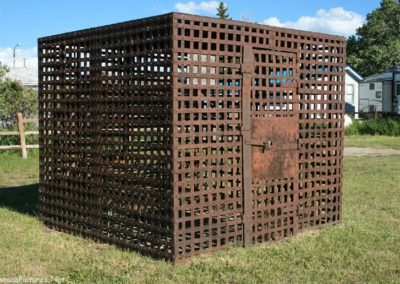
376	45
222	11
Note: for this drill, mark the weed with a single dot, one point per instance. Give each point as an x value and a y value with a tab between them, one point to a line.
379	126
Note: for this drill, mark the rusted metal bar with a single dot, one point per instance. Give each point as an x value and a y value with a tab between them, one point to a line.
247	71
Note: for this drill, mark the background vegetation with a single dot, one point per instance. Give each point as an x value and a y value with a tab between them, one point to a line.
375	47
222	11
379	126
15	98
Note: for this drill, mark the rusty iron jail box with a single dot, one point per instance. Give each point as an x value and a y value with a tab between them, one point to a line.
176	135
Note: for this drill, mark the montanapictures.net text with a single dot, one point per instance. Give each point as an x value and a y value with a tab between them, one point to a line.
23	279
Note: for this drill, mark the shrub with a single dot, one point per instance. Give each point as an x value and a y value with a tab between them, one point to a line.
9	140
14	98
353	129
380	126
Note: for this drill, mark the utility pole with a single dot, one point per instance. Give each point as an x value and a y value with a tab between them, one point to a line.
14	52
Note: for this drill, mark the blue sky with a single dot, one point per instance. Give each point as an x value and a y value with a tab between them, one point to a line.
24	21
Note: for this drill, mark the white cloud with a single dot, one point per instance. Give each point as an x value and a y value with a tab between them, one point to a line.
191	7
23	56
336	21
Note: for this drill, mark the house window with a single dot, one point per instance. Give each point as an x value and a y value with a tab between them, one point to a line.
398	89
349	94
372	86
350	89
378	94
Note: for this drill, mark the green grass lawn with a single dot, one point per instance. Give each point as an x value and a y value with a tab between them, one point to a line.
15	171
372	141
364	248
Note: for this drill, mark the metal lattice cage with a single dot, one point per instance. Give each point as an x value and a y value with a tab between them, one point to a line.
177	135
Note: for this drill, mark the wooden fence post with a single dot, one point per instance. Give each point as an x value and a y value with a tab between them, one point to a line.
22	135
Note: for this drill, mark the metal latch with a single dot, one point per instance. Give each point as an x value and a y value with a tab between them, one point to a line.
267	144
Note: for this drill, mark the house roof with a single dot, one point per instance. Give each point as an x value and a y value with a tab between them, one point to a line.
384	76
353	73
25	76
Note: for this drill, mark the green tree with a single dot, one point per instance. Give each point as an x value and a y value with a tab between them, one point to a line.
3	71
15	98
376	45
222	11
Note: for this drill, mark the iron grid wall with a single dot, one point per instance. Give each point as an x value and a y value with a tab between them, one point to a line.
177	134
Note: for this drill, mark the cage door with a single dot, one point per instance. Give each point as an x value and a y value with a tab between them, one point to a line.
270	143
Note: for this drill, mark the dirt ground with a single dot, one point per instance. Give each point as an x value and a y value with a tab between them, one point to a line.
362	152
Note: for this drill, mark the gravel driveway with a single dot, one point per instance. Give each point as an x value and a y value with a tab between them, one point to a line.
362	152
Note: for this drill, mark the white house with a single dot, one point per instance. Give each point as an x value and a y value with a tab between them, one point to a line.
381	92
352	90
25	76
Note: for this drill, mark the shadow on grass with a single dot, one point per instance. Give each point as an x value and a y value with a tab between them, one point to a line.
23	199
